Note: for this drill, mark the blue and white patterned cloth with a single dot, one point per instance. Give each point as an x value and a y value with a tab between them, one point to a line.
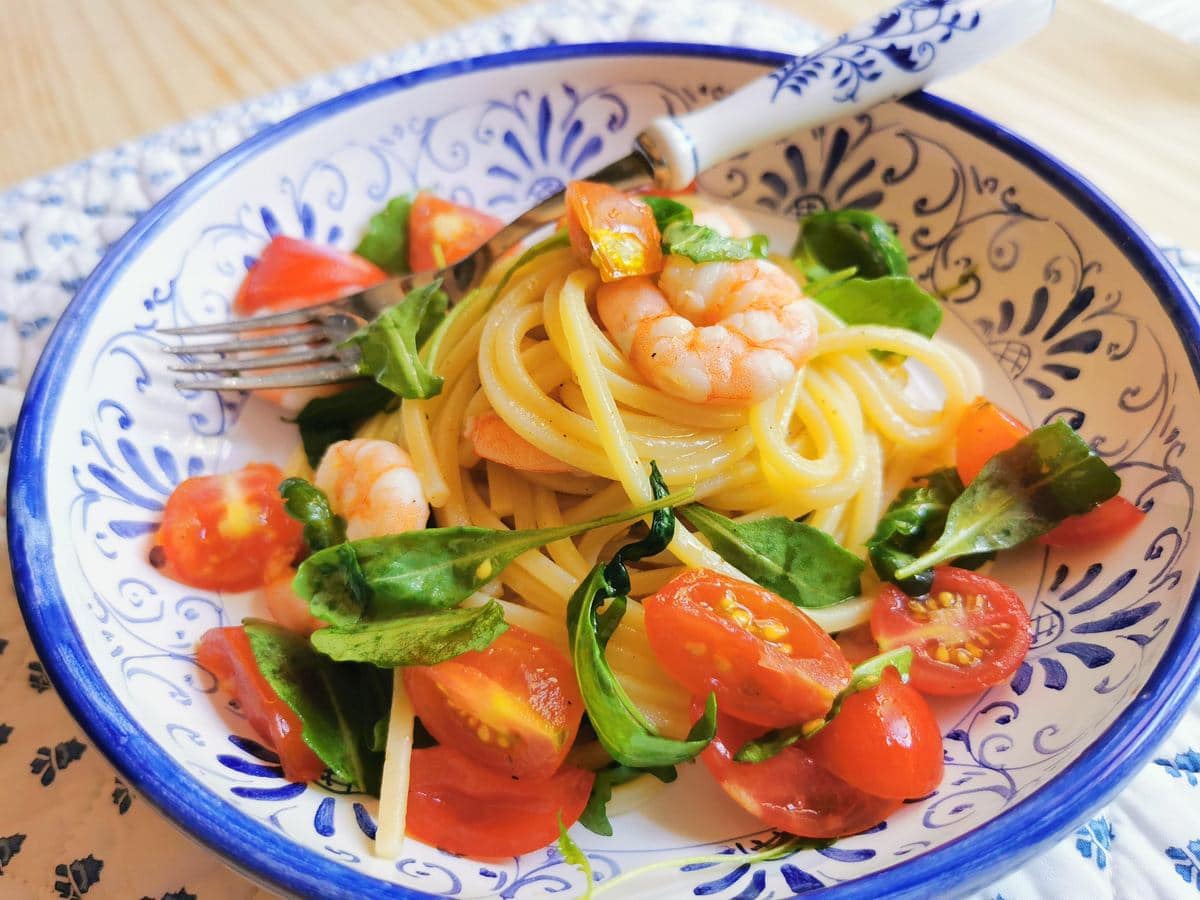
69	827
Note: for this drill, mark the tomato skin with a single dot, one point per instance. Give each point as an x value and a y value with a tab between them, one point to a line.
229	532
789	677
292	273
997	627
226	653
885	741
983	432
441	233
457	805
513	707
790	791
1113	518
613	231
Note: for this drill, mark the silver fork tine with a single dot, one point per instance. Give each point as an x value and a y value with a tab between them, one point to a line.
233	326
341	371
265	361
287	339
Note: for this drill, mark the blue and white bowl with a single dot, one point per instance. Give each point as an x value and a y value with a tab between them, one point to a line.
1066	305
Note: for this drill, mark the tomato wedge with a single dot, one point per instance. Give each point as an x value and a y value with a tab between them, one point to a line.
1112	519
790	791
766	660
292	273
513	707
441	233
885	741
229	532
613	231
457	805
226	653
970	633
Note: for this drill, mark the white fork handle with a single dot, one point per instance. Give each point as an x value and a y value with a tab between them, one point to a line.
899	52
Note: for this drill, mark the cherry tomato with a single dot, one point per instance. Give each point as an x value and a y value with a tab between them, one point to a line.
229	532
226	653
513	707
1112	519
790	791
984	431
856	644
292	273
288	608
885	741
970	633
768	662
613	231
441	233
457	805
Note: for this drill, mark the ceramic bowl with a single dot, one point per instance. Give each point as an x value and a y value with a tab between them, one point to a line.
1066	305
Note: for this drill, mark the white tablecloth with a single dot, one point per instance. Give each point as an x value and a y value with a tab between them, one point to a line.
68	826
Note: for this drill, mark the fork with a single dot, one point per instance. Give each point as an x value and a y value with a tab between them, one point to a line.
899	51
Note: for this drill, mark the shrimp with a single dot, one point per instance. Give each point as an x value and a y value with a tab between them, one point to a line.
493	438
288	608
729	333
373	486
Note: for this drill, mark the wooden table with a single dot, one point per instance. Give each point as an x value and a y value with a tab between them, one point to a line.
1117	99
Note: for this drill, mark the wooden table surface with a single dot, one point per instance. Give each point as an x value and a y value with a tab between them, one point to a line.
1117	99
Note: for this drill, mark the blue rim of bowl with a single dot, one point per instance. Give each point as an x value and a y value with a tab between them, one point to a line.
262	853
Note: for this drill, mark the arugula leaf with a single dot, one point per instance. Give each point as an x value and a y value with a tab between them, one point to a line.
913	521
595	815
668	211
426	569
895	300
1022	493
389	345
700	244
797	561
385	242
572	855
423	639
849	238
307	503
327	420
866	675
338	704
620	726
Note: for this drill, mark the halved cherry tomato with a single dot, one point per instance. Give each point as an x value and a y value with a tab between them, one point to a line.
885	741
226	653
513	706
457	805
229	532
790	791
970	633
768	662
292	273
986	430
613	231
441	233
1113	518
983	432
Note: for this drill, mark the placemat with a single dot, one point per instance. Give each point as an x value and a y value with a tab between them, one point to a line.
69	826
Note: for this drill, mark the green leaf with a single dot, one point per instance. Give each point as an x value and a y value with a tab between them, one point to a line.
426	569
595	815
798	562
668	211
572	855
385	242
307	503
389	345
896	301
701	244
422	639
866	675
911	524
850	238
1022	493
327	420
338	704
